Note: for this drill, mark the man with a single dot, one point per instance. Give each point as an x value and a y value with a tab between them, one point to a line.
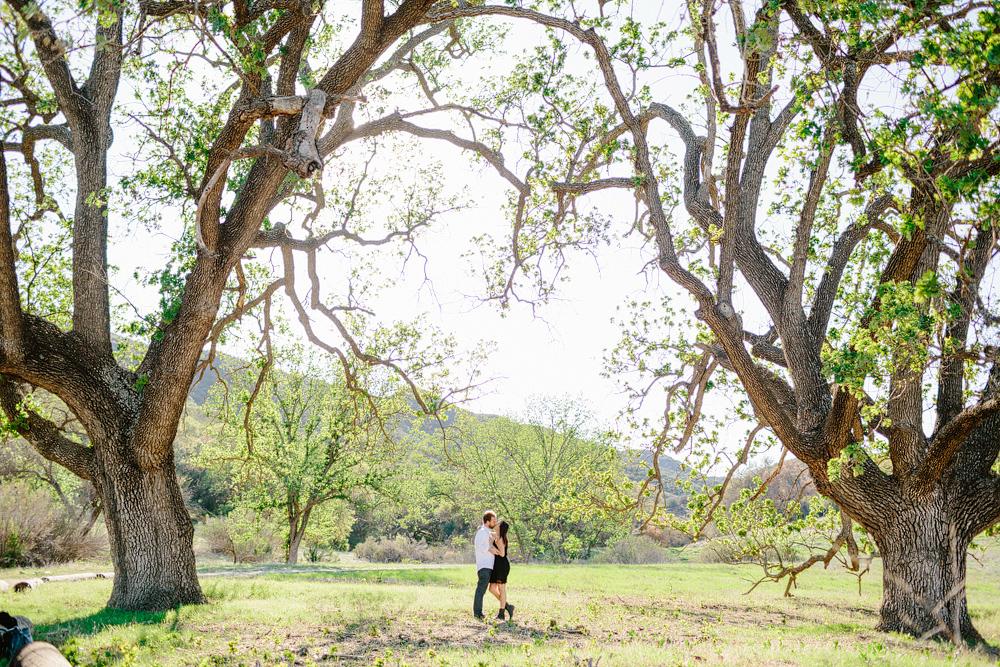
484	560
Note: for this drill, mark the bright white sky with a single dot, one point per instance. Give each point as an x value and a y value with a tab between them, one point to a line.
558	350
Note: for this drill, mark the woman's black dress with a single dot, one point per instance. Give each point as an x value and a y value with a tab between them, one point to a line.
501	568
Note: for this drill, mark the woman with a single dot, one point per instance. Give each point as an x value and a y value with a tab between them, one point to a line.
501	568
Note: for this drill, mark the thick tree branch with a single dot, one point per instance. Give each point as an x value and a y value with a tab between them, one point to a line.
970	273
278	237
42	433
376	35
807	217
105	69
52	53
947	441
11	325
88	111
976	449
826	293
697	198
395	122
60	133
594	186
171	7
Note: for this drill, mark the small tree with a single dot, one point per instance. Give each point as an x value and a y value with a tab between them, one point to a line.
526	470
305	441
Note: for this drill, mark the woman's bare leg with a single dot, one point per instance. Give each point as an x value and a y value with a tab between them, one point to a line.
495	589
503	595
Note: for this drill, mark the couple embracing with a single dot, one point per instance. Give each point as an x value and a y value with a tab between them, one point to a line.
492	565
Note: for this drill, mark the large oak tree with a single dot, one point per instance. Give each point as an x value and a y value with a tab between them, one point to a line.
213	156
830	209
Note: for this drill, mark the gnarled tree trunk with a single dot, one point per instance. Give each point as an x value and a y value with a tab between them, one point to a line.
923	579
150	532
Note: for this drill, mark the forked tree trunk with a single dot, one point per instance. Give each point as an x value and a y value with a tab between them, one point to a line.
296	531
150	533
923	579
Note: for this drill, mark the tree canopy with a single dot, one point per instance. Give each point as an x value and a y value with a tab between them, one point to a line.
307	441
828	211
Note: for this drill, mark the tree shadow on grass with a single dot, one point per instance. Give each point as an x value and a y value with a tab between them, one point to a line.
61	632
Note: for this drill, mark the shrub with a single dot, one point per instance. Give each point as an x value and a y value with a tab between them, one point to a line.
710	553
36	530
396	550
461	550
244	535
402	548
667	537
634	550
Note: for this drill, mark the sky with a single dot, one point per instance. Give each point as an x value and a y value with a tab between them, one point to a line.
555	349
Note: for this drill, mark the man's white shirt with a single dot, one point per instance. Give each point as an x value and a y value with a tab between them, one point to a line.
484	559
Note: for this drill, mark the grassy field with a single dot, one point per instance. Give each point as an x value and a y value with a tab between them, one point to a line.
680	614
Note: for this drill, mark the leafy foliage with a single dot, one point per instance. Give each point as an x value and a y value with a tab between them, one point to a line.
305	441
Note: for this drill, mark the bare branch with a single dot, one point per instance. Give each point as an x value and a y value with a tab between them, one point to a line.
396	123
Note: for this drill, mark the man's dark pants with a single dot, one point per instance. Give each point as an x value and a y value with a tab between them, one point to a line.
481	587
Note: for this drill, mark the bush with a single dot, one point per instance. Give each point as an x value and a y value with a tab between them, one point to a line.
396	550
667	537
461	550
634	550
36	530
710	553
244	535
402	549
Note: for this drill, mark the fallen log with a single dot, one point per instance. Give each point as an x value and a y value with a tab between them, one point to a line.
39	654
70	577
27	584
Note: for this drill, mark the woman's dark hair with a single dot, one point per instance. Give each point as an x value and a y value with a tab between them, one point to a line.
504	526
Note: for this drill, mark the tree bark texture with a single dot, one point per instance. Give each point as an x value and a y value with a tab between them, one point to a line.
150	532
297	523
923	577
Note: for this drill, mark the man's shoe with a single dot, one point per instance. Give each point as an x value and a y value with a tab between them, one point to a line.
479	617
510	611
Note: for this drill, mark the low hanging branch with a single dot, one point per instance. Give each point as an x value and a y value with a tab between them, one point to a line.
845	537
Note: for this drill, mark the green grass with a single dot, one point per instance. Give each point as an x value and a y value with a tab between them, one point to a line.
670	615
